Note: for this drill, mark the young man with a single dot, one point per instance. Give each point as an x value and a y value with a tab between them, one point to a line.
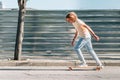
84	31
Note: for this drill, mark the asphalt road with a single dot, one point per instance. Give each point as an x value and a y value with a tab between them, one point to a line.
58	73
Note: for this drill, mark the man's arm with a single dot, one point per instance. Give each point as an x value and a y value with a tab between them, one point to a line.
92	32
74	38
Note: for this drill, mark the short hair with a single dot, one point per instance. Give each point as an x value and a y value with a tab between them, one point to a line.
71	13
68	15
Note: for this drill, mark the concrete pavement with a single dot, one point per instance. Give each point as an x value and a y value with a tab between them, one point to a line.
57	73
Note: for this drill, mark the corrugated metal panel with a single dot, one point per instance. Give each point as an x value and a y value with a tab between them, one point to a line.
48	34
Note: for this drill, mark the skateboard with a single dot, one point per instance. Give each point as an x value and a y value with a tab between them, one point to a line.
88	68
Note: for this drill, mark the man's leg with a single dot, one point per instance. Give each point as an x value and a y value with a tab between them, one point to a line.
78	47
92	52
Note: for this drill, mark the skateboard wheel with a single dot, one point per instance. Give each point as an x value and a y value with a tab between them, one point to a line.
98	68
70	68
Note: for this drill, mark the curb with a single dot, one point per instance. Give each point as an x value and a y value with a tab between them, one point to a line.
53	63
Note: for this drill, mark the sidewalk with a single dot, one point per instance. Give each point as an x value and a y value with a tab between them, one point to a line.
57	73
32	62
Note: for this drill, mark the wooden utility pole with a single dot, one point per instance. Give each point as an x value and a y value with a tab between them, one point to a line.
20	29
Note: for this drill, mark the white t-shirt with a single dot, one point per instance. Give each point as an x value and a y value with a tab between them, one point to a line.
83	32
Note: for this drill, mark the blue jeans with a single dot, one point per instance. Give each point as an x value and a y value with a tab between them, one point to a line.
88	45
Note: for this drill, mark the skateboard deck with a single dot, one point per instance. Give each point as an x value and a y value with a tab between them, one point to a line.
88	68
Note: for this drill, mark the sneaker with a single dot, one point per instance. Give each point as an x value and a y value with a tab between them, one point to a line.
83	65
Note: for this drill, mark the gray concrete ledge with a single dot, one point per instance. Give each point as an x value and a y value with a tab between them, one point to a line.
53	63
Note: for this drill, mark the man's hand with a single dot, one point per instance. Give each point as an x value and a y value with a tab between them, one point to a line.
75	36
96	37
72	43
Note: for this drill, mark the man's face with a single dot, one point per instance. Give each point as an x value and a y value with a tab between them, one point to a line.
71	19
